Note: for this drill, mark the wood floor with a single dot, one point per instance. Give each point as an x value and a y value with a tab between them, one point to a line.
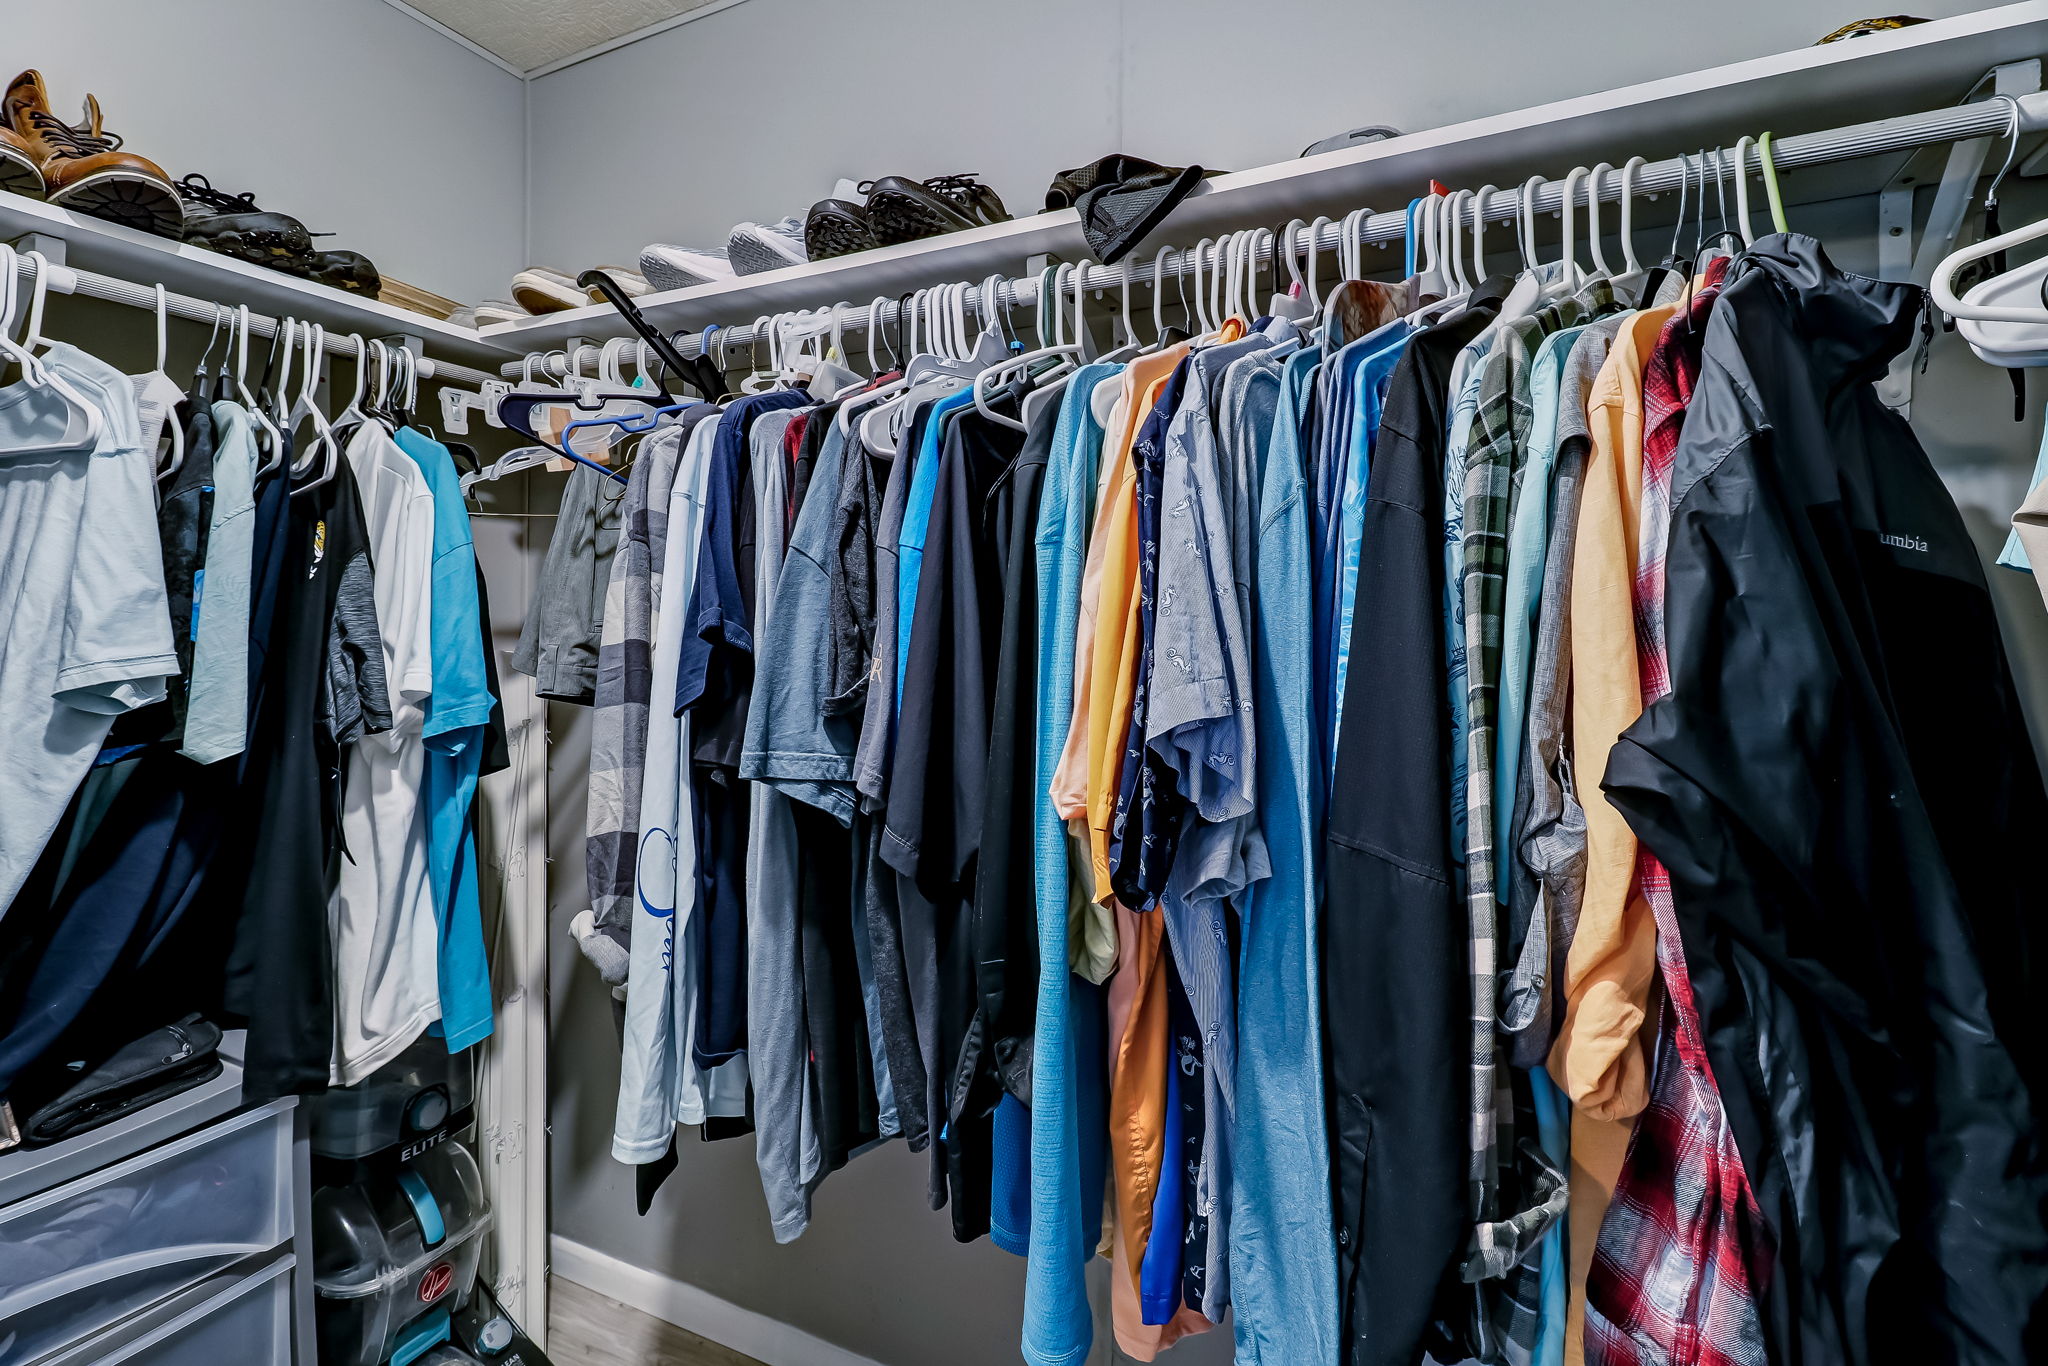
586	1329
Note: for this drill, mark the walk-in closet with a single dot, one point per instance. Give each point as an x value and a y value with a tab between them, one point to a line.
762	683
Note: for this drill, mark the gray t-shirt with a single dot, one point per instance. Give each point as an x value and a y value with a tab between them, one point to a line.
82	600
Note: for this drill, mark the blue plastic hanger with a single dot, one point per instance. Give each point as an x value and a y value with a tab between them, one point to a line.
629	424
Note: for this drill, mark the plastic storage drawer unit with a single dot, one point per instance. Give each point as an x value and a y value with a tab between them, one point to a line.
78	1257
394	1254
249	1323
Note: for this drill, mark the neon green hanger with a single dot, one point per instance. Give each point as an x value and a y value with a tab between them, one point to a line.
1763	154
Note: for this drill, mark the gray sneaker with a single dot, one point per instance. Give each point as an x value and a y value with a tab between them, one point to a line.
668	267
755	247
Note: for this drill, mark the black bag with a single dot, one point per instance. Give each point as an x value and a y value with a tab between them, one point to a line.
155	1067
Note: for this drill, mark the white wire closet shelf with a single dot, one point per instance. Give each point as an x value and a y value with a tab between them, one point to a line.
1925	67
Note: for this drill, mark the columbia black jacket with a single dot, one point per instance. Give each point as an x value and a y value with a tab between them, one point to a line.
1841	785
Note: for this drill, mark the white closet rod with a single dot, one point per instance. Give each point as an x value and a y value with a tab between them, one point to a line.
69	280
1903	133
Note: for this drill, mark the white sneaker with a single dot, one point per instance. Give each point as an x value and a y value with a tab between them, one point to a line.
668	267
755	247
631	281
491	312
537	289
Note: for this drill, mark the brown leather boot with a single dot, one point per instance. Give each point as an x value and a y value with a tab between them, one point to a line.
84	168
18	173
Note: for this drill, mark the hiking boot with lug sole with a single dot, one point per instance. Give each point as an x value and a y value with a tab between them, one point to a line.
84	168
234	225
901	210
18	173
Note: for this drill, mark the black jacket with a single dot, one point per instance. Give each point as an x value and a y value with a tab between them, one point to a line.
1841	785
1396	963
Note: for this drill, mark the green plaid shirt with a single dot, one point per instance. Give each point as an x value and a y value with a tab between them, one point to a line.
1500	429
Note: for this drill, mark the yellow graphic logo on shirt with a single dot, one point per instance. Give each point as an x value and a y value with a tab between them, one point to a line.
319	547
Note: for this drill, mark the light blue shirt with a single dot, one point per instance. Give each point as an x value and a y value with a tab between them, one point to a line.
217	717
456	715
1283	1251
1368	395
917	519
1069	1070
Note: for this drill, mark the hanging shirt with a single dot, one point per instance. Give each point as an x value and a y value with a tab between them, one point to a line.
660	1084
917	514
780	1051
1394	980
82	578
1368	392
1282	1246
381	919
457	715
217	715
1068	1081
326	689
624	689
559	641
713	681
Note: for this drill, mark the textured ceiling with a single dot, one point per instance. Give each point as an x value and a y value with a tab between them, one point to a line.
532	33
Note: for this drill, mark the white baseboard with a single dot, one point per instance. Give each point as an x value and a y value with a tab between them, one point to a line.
769	1341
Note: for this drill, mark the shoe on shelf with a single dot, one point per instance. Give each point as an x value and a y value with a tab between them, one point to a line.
539	289
631	281
755	247
492	312
837	227
668	267
902	210
234	225
348	271
18	173
84	168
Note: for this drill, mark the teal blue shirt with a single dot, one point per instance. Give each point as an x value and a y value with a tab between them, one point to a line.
457	713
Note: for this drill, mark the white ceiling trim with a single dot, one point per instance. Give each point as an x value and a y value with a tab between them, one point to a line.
562	63
452	36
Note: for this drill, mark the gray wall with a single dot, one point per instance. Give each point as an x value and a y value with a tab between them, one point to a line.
753	112
345	114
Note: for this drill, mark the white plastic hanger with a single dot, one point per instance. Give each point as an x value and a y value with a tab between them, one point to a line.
1315	233
1743	145
83	421
1479	198
285	344
1568	257
1454	228
1601	270
158	392
269	444
1288	301
326	446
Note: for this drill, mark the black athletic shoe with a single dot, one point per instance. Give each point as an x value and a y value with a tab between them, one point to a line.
902	210
349	271
835	227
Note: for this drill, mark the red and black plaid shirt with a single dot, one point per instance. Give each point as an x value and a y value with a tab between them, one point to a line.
1683	1245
